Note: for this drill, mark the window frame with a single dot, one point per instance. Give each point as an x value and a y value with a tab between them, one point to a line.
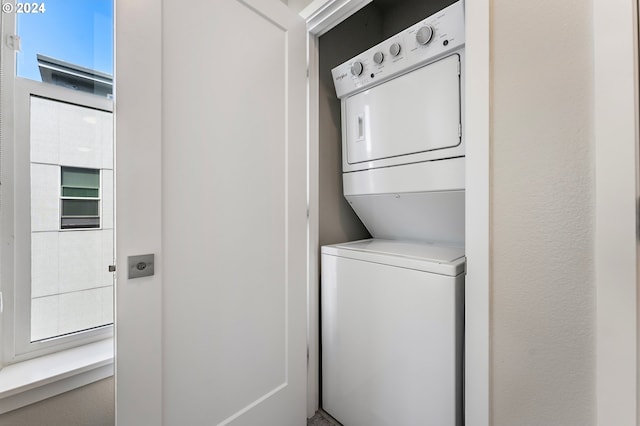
16	229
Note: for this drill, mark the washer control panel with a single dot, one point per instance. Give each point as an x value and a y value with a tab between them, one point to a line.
424	42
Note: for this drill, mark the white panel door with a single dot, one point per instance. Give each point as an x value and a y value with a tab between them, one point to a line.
211	172
234	213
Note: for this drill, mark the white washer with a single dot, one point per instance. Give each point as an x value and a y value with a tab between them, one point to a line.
392	333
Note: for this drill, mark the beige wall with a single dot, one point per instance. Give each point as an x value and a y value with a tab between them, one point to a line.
543	302
90	405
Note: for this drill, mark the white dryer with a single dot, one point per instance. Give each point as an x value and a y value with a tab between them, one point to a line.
403	140
392	333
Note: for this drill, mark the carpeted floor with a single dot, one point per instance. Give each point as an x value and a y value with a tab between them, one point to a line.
321	419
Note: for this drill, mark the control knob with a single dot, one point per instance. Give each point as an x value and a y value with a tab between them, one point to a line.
395	49
378	57
356	68
424	35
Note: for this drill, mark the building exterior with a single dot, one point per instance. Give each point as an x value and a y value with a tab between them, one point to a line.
72	218
75	77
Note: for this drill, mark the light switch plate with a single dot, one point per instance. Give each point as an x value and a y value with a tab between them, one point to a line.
140	266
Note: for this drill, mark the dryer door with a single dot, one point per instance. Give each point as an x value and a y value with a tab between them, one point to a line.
416	112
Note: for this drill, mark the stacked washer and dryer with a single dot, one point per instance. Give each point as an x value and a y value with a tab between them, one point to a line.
393	306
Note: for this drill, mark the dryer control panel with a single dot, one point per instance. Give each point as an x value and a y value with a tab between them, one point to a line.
424	42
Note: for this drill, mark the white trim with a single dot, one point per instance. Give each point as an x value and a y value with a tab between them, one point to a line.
616	159
8	69
34	380
478	214
313	285
322	15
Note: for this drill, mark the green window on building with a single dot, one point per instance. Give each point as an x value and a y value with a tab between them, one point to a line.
80	198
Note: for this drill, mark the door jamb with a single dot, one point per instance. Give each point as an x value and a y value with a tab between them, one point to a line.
616	246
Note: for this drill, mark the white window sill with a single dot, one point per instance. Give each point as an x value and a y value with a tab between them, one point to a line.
40	378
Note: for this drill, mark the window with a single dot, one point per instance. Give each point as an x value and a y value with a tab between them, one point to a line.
80	198
65	293
56	215
70	44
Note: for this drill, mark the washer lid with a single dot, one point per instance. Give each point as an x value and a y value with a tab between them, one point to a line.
437	259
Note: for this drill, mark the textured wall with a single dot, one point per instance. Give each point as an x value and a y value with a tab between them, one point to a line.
543	301
90	405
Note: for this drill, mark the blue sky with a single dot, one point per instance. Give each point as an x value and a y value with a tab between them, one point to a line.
76	31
